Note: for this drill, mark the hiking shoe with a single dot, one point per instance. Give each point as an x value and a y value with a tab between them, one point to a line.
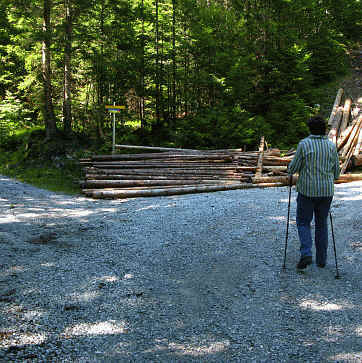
321	265
304	262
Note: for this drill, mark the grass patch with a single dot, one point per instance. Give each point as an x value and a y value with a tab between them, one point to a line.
57	178
53	166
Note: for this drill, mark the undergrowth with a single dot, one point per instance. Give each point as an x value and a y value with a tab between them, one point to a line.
27	157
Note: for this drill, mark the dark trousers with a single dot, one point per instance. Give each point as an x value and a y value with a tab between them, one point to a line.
306	208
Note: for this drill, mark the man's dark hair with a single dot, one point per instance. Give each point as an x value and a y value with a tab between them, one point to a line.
317	125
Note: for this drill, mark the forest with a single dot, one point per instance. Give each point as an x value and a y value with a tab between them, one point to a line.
190	73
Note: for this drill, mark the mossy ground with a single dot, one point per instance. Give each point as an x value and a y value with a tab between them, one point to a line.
27	157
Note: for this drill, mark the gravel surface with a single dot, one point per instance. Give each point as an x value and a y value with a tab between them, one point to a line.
192	278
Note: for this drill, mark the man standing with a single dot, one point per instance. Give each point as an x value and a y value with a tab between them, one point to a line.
316	160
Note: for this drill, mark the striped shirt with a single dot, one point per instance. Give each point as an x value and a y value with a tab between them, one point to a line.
316	160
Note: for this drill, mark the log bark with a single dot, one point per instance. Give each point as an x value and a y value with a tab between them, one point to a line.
113	194
352	140
359	143
155	148
165	171
274	161
346	114
356	160
337	102
273	179
146	183
268	168
344	136
160	177
165	177
259	165
347	178
332	135
161	157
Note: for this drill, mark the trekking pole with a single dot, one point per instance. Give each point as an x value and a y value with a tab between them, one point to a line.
334	246
286	235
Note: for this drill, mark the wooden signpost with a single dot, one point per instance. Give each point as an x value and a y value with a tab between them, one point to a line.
114	109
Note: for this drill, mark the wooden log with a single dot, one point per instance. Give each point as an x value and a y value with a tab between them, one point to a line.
284	180
272	152
155	148
165	171
332	135
267	160
358	148
274	161
356	160
352	140
336	104
161	157
347	161
90	190
347	178
141	164
267	168
272	179
259	165
346	114
275	168
166	177
344	136
113	194
145	183
161	177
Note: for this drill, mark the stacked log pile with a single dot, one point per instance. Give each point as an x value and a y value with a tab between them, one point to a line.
166	172
345	130
180	171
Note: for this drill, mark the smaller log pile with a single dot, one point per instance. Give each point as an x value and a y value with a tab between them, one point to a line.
345	130
166	171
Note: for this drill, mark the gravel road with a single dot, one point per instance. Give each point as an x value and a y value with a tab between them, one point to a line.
192	278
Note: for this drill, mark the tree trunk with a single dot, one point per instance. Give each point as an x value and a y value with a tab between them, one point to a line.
142	97
67	106
157	67
173	62
48	109
100	77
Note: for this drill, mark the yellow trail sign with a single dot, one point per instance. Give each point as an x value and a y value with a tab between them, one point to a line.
114	108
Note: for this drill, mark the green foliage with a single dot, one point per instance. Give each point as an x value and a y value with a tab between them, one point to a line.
13	115
52	165
287	117
221	128
221	75
328	59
